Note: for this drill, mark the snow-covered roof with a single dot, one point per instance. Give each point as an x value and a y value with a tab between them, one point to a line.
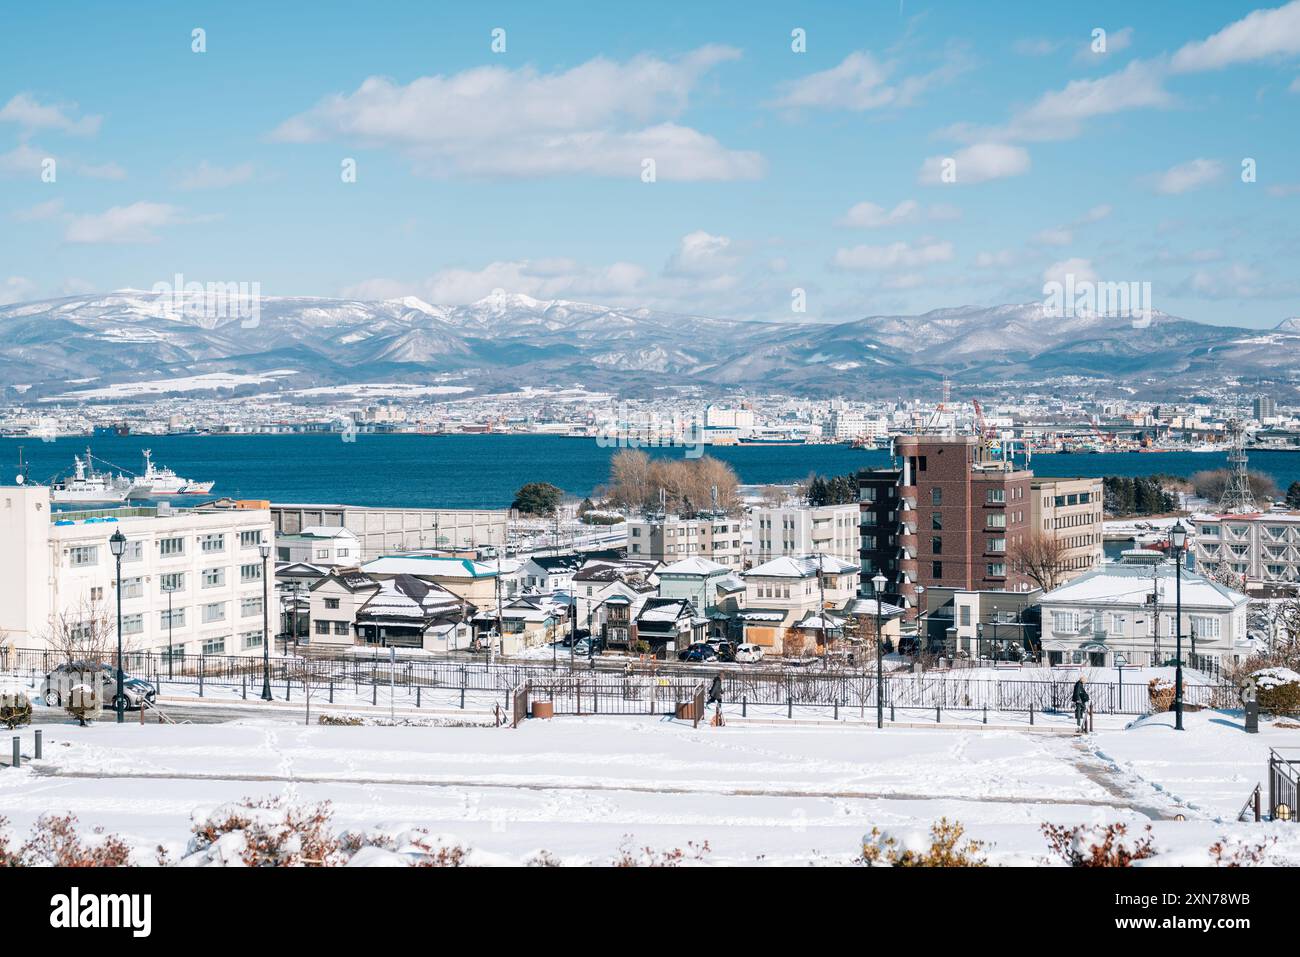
409	599
1117	583
694	566
787	567
324	531
430	566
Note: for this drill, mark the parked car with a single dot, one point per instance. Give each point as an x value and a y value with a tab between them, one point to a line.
59	681
699	651
584	646
749	654
726	651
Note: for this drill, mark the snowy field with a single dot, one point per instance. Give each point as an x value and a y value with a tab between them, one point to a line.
757	792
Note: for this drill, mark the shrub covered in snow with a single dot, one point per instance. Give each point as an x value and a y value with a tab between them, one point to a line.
911	847
1109	845
15	706
1279	690
629	855
1161	693
266	833
54	842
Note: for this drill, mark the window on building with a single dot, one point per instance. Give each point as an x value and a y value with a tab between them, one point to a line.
250	606
132	587
216	611
321	627
214	577
331	602
251	639
936	521
936	569
997	544
250	573
936	545
133	552
342	628
172	581
997	520
996	570
80	556
177	619
251	539
132	624
1207	627
936	496
996	496
169	547
212	542
214	646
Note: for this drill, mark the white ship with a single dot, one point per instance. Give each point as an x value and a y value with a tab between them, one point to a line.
86	486
159	482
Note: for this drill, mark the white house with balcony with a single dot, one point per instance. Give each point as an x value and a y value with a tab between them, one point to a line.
804	530
329	546
1256	550
1128	608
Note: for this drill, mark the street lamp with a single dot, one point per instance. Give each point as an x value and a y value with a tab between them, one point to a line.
993	645
117	545
265	549
878	584
922	636
1120	662
1178	539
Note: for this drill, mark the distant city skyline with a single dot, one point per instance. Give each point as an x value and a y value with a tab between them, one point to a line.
913	156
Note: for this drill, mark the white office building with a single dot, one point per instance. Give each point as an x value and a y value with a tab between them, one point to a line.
57	568
805	530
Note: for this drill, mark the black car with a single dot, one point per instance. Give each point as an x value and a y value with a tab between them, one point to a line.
699	652
58	684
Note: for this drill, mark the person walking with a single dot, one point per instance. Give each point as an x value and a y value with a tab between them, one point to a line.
1080	699
715	690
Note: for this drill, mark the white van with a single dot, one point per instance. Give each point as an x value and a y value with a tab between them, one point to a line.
749	654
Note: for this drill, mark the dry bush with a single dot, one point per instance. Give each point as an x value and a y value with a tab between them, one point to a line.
631	856
54	842
542	859
268	833
417	845
1161	692
1227	852
1108	846
945	848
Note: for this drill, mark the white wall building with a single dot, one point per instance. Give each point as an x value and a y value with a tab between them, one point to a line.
1128	607
319	545
1260	549
59	564
805	530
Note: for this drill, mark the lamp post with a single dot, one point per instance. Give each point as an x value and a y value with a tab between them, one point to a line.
878	584
1120	662
922	636
993	645
117	545
265	549
1178	538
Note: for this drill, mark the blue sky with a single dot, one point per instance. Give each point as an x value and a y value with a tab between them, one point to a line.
775	170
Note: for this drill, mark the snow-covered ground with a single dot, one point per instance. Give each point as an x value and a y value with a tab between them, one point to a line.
760	791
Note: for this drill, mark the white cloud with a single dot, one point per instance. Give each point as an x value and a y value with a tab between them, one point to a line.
1096	214
123	224
870	216
978	163
1036	46
702	254
1189	175
100	170
1060	114
892	256
50	209
30	114
861	82
601	117
995	259
16	289
1259	35
1080	269
943	212
207	176
23	160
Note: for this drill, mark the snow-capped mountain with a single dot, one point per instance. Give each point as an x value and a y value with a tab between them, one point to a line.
87	343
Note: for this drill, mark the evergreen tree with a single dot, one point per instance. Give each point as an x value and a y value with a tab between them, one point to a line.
537	498
1293	495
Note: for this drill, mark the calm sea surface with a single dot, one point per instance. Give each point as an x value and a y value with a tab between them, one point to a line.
483	471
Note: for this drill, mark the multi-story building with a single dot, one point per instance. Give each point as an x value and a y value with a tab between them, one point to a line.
1254	551
954	514
383	531
319	545
1070	511
669	538
191	580
1264	407
1128	608
804	530
780	593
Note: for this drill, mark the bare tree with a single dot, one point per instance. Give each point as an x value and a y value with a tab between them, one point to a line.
85	631
311	674
1040	558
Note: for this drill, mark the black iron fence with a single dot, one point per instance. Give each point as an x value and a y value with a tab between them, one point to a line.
1283	783
639	689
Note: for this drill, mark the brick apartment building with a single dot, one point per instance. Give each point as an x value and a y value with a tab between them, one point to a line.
946	517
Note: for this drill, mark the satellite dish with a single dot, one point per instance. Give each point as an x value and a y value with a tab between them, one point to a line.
19	479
